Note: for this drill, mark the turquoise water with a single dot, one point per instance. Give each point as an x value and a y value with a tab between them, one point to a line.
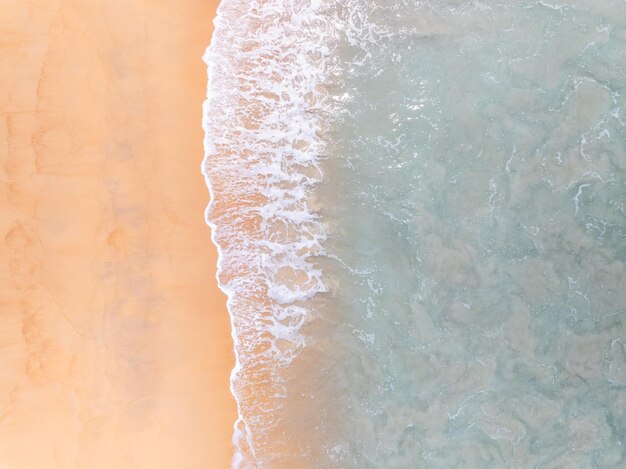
444	186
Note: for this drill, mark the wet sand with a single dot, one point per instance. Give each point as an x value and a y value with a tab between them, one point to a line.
114	338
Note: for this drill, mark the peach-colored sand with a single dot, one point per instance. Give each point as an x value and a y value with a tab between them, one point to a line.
115	345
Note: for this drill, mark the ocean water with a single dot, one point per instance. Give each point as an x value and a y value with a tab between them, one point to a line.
420	212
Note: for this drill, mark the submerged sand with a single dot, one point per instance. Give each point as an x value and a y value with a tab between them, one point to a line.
114	339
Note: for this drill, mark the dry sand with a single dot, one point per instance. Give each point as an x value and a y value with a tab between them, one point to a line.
114	339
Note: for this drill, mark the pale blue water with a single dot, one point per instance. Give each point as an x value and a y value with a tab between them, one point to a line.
461	214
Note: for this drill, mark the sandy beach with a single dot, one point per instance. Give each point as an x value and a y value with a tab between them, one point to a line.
114	338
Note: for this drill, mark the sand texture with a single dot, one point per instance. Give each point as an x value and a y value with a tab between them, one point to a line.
114	339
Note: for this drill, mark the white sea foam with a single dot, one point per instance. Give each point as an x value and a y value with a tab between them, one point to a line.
263	143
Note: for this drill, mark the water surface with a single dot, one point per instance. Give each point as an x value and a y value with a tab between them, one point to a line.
447	181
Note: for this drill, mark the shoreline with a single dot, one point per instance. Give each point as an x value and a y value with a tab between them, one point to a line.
262	219
116	339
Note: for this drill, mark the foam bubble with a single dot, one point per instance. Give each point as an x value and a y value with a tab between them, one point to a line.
262	122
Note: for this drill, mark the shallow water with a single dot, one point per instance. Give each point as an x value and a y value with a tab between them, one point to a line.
465	188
